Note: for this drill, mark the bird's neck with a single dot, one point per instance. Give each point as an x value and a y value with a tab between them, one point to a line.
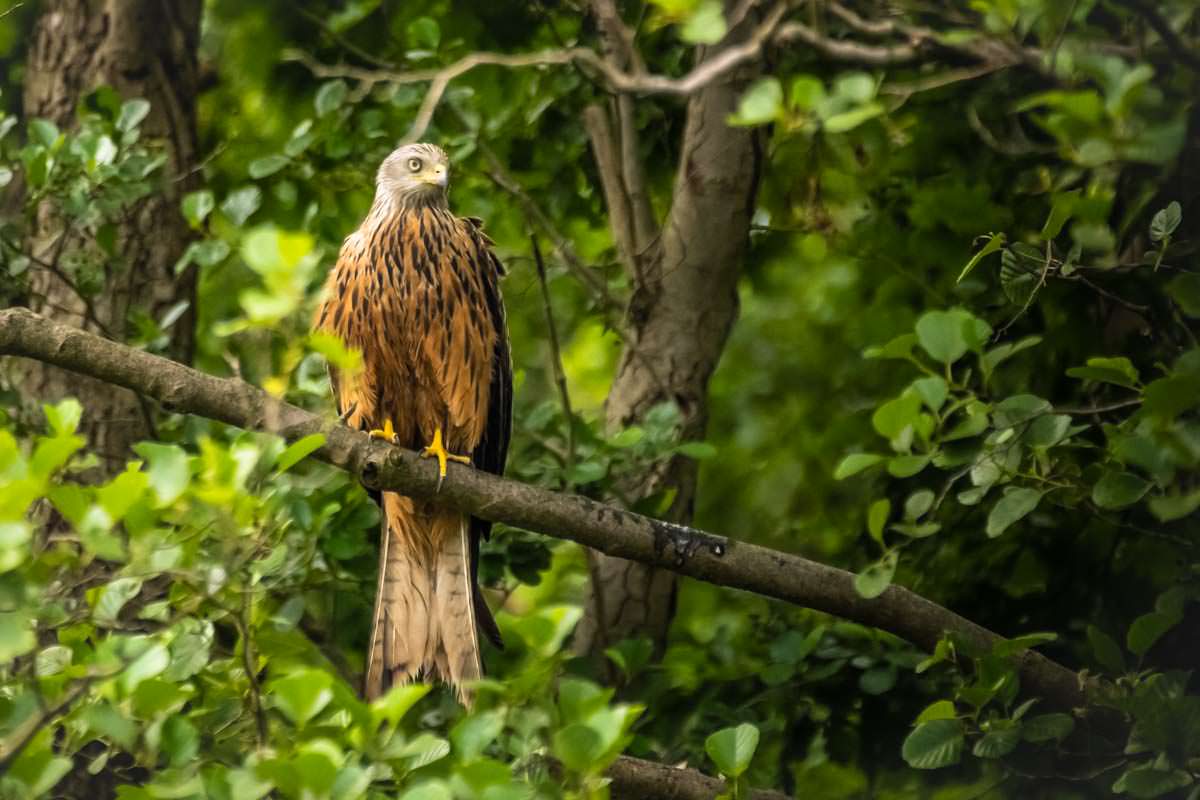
389	203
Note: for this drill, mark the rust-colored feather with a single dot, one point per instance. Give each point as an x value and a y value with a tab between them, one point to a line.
415	289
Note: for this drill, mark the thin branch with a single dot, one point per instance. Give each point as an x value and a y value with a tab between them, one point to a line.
560	377
1179	48
608	165
613	531
871	27
19	739
638	778
618	80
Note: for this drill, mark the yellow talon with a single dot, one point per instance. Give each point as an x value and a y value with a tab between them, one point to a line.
388	433
437	450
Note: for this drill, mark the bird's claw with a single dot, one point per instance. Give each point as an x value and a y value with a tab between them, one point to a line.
387	433
438	450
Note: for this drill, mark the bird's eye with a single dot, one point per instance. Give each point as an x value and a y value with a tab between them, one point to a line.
414	164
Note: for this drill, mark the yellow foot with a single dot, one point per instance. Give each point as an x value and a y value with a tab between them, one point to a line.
388	433
437	450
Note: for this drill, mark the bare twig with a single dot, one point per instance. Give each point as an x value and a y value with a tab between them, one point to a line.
1181	50
560	377
872	27
618	80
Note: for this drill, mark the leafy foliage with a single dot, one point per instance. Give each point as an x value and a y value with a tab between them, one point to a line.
966	363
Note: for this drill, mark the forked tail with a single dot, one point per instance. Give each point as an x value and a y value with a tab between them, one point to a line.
424	622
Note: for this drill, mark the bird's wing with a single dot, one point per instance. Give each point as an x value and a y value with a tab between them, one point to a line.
353	396
492	451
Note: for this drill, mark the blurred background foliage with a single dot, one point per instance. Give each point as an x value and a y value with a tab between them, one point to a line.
1012	436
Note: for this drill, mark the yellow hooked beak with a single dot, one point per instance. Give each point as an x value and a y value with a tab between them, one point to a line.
439	176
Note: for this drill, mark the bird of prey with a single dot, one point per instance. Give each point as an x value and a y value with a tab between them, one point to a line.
416	291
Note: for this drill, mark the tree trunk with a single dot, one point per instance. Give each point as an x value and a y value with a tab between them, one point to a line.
679	317
142	49
146	49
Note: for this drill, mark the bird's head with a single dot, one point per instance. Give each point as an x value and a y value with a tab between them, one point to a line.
414	174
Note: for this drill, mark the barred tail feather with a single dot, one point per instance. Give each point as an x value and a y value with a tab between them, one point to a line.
401	632
425	605
458	658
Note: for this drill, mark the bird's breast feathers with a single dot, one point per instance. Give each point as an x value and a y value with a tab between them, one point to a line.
410	290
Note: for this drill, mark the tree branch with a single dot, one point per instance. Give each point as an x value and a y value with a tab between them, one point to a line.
641	779
617	79
614	531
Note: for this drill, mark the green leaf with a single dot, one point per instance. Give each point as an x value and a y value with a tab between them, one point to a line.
998	743
197	206
854	464
933	391
267	165
762	103
918	503
1106	650
1013	506
424	32
1148	629
64	416
302	694
152	662
396	703
299	450
180	740
891	418
430	790
705	25
701	451
1119	489
132	114
330	96
731	749
1119	371
1150	781
16	634
52	660
14	544
877	516
112	598
168	469
43	131
1184	289
1060	212
1166	221
1047	727
238	205
848	120
934	744
1170	507
1047	430
873	580
578	747
475	732
907	466
545	630
942	709
1002	352
877	680
940	334
995	242
1020	408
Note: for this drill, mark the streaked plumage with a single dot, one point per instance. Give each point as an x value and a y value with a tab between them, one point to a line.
416	290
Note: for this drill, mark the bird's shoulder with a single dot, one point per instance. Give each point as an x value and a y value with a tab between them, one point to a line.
474	228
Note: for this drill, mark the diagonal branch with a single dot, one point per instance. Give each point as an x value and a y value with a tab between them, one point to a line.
614	531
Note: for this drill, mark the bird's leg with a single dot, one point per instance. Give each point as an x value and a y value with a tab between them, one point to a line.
388	433
437	450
